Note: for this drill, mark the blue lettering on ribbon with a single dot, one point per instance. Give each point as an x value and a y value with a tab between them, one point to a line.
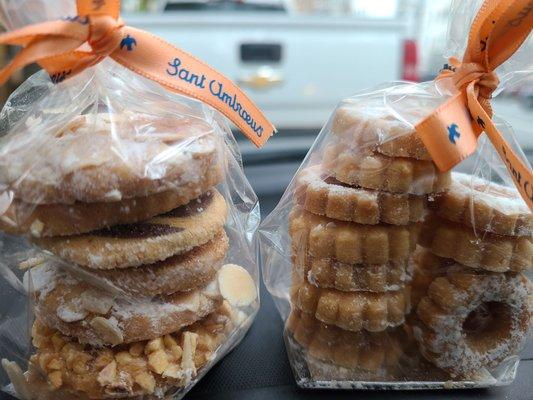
59	77
185	75
453	133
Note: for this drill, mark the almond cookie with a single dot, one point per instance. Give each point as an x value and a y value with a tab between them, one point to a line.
330	274
321	194
145	369
371	126
485	250
107	157
351	243
98	318
182	272
147	242
485	206
352	311
375	171
474	319
371	351
77	218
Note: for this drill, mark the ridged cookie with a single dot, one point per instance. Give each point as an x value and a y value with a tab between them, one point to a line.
474	319
73	219
98	318
352	311
351	243
366	350
379	172
485	206
146	242
482	250
107	157
324	195
65	369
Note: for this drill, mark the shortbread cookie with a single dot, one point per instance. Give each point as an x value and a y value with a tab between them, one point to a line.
352	311
375	171
183	272
330	274
351	243
98	318
485	206
371	351
147	369
147	242
373	127
77	218
107	157
477	250
324	195
474	319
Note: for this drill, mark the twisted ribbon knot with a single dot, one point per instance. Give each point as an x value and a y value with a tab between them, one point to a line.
105	34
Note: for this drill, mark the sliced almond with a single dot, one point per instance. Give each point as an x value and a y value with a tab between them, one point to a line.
15	374
146	381
108	375
190	340
236	285
70	313
32	262
95	302
36	228
108	330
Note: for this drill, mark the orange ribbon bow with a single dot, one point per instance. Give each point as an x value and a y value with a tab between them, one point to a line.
68	46
450	133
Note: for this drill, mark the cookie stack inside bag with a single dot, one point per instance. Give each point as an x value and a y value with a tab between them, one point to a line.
131	295
474	304
354	227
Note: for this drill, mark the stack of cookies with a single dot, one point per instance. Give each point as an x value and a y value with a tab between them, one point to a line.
354	227
474	305
131	294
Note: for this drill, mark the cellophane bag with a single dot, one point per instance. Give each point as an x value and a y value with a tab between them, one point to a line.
128	236
389	273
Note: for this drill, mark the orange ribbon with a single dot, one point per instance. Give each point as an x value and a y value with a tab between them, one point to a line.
450	133
68	46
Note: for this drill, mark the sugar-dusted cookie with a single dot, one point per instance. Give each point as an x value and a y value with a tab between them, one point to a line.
321	194
146	242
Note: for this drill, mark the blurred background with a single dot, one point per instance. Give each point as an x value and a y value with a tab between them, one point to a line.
298	58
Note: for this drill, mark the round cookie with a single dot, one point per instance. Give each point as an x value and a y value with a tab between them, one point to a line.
107	157
485	206
474	319
378	172
321	194
73	219
98	318
182	272
352	311
481	250
147	242
348	242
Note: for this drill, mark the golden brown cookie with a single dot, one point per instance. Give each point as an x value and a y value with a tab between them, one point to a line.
108	157
330	274
474	319
153	240
179	273
485	206
376	128
482	250
143	369
77	218
97	317
375	171
352	311
321	194
371	351
351	243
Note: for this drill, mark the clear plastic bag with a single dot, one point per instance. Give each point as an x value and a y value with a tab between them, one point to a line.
128	237
389	273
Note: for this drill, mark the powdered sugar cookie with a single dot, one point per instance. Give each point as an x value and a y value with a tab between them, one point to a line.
351	243
108	157
324	195
485	205
375	171
474	319
146	242
72	219
352	311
